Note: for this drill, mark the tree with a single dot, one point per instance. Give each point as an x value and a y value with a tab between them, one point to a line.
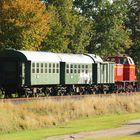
23	24
109	32
56	40
69	31
133	24
80	34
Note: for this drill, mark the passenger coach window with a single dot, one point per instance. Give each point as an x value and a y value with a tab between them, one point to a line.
49	67
87	69
71	68
41	67
68	68
75	68
33	67
53	68
79	68
57	68
46	68
37	67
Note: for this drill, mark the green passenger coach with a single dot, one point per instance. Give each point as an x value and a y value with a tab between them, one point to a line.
30	72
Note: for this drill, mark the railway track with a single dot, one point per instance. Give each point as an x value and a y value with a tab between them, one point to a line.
22	100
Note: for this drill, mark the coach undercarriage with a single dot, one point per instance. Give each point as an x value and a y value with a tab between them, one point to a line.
53	90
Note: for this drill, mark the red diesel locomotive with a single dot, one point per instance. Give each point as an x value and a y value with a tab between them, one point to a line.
124	73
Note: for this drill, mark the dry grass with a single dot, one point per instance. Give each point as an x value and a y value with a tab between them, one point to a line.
47	113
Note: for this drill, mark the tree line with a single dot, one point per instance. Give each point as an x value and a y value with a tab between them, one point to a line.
72	26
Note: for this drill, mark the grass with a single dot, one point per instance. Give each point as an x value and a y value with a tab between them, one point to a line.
50	113
84	124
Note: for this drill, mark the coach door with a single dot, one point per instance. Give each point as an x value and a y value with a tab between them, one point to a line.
9	73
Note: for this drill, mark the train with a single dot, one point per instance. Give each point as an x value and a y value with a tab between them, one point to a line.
42	73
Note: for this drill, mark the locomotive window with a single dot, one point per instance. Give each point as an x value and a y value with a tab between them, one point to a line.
130	60
120	61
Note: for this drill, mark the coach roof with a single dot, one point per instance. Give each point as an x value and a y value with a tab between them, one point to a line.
75	58
42	56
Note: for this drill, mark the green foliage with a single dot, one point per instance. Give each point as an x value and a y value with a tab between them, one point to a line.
94	26
133	23
69	31
56	40
23	24
109	32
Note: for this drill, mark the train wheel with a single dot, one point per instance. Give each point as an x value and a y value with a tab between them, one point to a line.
47	92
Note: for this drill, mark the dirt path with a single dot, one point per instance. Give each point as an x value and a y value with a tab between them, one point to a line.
130	128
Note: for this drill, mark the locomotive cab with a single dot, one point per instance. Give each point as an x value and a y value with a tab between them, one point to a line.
125	76
124	68
129	69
